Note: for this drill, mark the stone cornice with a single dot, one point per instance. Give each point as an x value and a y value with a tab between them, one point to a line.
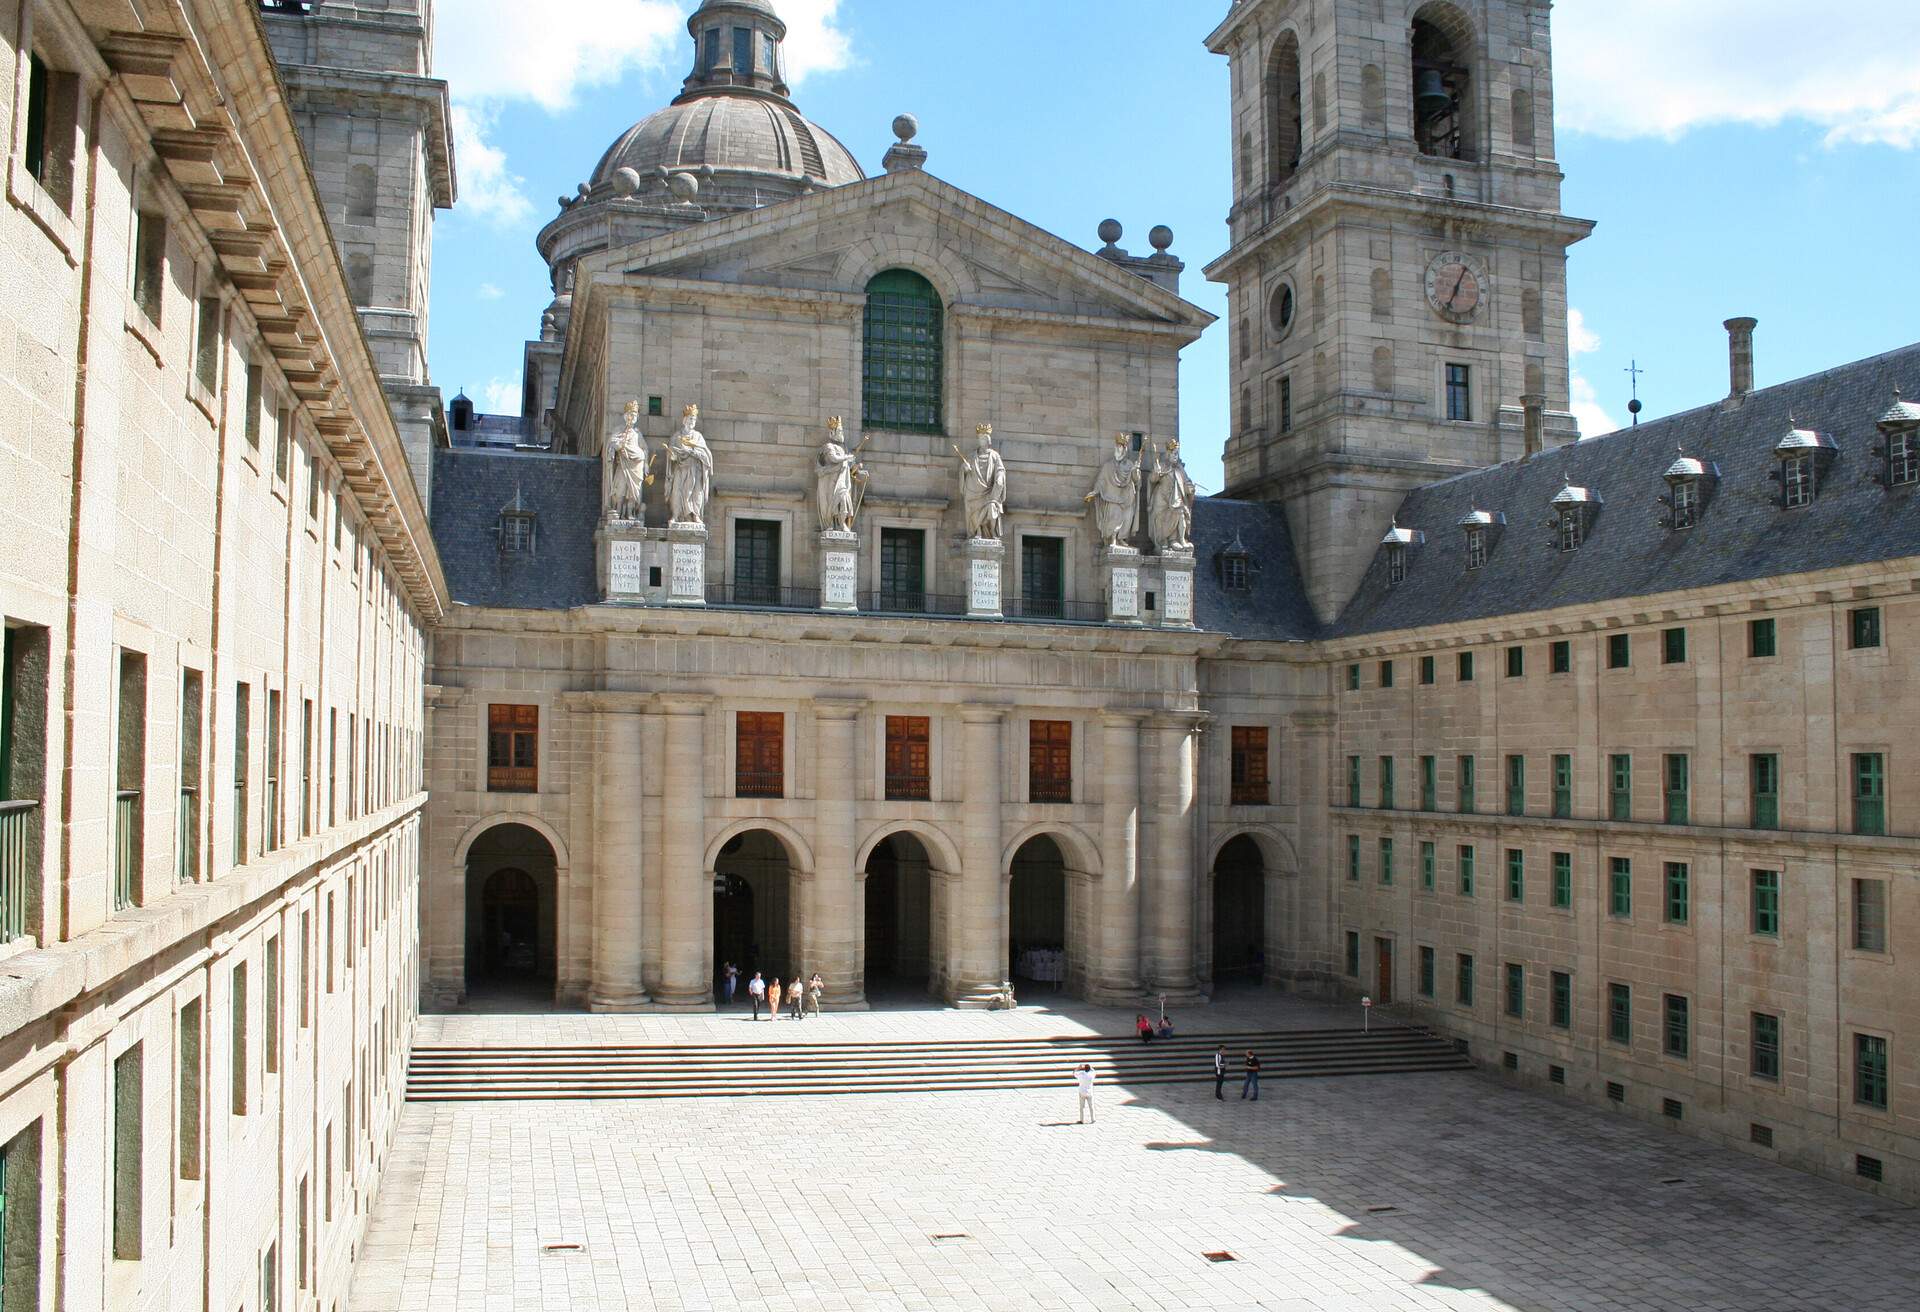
350	88
607	703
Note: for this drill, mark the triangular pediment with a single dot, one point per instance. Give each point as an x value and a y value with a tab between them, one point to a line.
832	241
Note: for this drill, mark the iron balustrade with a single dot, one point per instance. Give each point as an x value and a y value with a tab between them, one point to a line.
1055	609
16	860
759	783
903	602
762	596
909	788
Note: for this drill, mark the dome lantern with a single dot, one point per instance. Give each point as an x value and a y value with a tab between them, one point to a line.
737	46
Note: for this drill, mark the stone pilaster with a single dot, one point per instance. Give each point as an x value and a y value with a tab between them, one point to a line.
1300	938
686	904
1170	946
618	863
1114	974
834	928
976	924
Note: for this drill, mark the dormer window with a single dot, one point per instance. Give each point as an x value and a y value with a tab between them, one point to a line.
1572	516
1800	454
1478	526
1796	481
1686	503
1686	479
1235	564
1571	530
1476	547
1398	541
1900	429
516	534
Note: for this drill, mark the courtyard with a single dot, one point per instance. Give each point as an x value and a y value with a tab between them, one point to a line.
1376	1192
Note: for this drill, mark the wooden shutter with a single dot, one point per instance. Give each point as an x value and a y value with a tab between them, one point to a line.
1049	760
909	758
760	754
1249	749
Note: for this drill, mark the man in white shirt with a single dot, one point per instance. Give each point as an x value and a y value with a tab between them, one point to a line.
1083	1080
757	994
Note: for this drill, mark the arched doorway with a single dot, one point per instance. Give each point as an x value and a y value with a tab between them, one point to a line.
1239	914
899	916
753	906
1037	938
511	912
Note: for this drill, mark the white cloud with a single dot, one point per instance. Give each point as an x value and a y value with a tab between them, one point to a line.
501	396
1658	68
1592	416
498	53
487	291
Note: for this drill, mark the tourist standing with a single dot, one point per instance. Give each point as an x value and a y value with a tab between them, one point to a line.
729	981
815	987
757	994
775	999
797	998
1252	1085
1083	1081
1220	1072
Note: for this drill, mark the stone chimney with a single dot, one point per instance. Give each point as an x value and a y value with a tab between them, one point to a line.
1740	356
1534	405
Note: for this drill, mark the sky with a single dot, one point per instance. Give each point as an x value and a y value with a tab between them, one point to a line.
1731	172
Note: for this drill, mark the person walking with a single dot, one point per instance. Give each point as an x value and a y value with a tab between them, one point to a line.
815	987
1252	1085
776	999
1220	1072
1083	1081
729	981
757	994
797	997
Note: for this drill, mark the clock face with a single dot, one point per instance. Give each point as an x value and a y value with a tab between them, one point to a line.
1456	285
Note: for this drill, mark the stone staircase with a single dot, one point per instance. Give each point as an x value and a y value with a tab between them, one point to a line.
493	1074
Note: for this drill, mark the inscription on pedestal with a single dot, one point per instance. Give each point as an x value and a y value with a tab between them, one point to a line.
1124	597
983	591
839	579
626	567
1179	597
689	571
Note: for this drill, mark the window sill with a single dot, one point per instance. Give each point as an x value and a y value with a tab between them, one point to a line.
25	191
203	401
146	332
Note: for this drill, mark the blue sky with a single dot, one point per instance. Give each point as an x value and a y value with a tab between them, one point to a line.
1730	173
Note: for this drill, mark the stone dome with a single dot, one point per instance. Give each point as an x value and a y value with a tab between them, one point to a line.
740	133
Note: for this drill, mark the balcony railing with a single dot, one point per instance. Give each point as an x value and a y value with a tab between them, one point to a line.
909	788
759	783
897	602
513	779
762	596
1045	788
17	821
126	846
1055	609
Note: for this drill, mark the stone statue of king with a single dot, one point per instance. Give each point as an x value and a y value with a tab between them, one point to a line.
626	469
1115	498
689	471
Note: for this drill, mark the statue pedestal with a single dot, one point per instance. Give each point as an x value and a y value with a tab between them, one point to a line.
1121	567
1176	590
686	564
839	571
623	551
984	556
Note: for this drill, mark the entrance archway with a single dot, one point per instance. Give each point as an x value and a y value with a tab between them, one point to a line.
754	907
1239	914
511	911
899	916
1037	937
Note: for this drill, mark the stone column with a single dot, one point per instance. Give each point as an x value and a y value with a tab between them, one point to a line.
1170	948
686	904
1114	977
617	862
835	927
976	921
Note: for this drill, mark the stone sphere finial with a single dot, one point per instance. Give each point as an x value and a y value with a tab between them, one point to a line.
582	190
684	186
1111	231
626	181
906	127
1160	238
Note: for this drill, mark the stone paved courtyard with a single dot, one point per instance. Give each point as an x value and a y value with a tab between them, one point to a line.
1499	1198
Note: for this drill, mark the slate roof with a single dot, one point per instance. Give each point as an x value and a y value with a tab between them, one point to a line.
1743	532
470	489
1274	608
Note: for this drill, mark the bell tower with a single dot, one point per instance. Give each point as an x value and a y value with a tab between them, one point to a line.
1397	275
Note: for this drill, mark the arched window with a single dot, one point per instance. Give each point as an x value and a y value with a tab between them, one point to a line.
360	279
1383	369
903	370
1443	98
1530	312
1283	109
1373	97
1523	122
362	187
1381	288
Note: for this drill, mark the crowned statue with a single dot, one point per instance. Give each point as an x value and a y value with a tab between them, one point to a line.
626	477
983	485
689	471
1115	498
1170	501
840	481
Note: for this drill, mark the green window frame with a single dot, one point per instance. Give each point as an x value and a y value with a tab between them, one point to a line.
1620	786
1869	793
1463	979
1870	1071
1464	858
1676	1033
1561	994
1764	1058
1765	903
1386	783
1463	667
1353	781
1427	863
1516	662
1863	627
1763	774
1562	807
1386	674
1560	657
903	569
1562	897
1620	1013
1673	646
1463	782
1429	783
1620	887
1677	904
1426	669
1386	861
1516	785
756	561
1516	995
1353	678
1353	856
903	367
1676	777
1516	875
1426	971
1619	651
1763	639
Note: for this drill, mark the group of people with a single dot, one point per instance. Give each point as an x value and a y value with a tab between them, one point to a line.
1249	1068
1148	1032
797	997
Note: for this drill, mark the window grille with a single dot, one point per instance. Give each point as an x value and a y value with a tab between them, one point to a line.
903	374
